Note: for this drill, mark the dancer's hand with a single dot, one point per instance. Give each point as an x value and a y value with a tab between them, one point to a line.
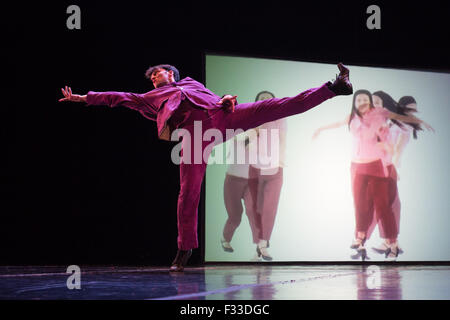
428	127
228	102
316	134
68	96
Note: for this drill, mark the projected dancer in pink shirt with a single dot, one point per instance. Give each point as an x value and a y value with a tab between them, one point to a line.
396	136
369	175
186	103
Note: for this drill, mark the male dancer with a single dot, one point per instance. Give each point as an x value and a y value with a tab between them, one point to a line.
176	103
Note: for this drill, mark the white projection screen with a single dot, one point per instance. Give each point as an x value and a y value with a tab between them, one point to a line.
315	217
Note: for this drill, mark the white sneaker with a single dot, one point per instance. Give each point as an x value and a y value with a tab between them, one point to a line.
361	253
261	250
392	253
384	248
357	243
381	248
226	246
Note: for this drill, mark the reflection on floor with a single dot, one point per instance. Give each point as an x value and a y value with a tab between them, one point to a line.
231	282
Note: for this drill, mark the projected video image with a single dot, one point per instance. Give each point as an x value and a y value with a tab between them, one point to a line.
359	177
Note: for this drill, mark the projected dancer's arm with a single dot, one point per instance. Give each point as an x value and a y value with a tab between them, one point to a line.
333	125
410	119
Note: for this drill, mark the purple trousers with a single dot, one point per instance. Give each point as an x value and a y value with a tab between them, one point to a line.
245	116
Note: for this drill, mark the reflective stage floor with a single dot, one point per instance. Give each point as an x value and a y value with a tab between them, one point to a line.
230	282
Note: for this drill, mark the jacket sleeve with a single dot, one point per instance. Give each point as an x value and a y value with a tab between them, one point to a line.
130	100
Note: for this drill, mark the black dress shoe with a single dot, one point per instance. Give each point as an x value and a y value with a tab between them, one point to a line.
180	260
342	84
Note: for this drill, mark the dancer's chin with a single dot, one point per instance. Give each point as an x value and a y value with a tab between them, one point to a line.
160	84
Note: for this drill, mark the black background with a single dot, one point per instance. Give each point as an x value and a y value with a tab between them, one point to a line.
95	185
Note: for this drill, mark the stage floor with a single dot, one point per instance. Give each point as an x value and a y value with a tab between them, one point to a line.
231	282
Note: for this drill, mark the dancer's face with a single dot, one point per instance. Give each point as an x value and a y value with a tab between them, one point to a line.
362	103
161	77
377	102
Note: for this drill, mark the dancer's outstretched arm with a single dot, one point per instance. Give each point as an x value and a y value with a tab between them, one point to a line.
410	119
113	99
333	125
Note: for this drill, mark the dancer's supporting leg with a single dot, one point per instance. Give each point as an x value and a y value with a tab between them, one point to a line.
192	171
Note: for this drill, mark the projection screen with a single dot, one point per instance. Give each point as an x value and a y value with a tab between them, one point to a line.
314	215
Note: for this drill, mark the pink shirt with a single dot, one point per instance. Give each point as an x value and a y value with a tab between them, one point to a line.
367	132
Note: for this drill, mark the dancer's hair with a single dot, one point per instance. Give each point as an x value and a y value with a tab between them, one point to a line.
263	92
354	109
168	67
390	104
403	102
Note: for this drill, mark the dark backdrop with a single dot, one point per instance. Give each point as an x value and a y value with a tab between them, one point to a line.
95	185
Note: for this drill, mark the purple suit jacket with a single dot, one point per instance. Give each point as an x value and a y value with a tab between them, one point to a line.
160	103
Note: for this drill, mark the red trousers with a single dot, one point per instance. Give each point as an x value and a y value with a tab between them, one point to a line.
235	190
265	191
394	201
372	199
